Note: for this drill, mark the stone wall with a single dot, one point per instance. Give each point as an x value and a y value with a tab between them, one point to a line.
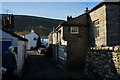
108	16
76	46
113	23
103	62
100	15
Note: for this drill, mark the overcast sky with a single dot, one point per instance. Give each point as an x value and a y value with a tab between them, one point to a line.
56	10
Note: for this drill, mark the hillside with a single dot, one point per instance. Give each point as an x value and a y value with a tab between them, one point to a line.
42	26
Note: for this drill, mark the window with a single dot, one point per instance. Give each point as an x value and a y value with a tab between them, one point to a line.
35	39
96	28
74	30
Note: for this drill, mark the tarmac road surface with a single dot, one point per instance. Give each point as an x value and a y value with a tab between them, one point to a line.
40	67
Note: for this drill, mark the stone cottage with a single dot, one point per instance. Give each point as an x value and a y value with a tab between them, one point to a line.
98	27
70	42
104	24
103	58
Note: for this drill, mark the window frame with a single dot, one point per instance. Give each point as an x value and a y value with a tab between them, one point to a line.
74	30
96	28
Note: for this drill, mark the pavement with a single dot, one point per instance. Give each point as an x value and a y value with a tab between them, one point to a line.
39	67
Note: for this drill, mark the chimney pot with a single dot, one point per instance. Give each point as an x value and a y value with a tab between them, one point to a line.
32	31
86	11
69	17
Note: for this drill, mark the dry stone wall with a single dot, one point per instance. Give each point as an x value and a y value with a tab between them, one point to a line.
103	62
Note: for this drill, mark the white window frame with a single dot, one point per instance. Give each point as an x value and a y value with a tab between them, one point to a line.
74	30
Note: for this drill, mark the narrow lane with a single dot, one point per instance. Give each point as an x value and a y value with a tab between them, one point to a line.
40	67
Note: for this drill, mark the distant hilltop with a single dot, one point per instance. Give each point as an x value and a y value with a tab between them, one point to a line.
42	26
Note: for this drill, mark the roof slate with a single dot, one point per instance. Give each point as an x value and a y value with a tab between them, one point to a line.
13	34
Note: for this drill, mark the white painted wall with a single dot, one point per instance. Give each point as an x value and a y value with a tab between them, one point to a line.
31	41
54	38
63	42
21	45
59	36
21	55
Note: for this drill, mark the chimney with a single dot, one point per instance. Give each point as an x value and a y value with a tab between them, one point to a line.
86	11
69	17
11	20
5	22
32	31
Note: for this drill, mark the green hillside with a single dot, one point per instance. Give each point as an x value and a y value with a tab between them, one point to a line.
42	26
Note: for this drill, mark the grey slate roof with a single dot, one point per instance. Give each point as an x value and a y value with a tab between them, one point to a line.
13	34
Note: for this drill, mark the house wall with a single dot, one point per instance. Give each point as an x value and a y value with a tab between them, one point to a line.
62	56
113	24
100	14
7	38
55	47
31	41
50	39
58	47
55	53
22	47
63	41
76	46
54	36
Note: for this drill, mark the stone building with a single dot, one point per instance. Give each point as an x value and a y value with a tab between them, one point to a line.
70	42
104	24
103	59
98	27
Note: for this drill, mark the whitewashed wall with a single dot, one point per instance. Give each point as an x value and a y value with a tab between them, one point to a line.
21	55
22	48
59	36
63	42
31	41
54	38
50	39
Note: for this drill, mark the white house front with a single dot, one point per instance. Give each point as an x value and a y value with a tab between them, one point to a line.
32	39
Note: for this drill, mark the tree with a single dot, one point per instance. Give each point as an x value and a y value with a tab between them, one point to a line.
38	43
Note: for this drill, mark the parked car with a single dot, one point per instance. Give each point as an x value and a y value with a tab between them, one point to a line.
41	50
